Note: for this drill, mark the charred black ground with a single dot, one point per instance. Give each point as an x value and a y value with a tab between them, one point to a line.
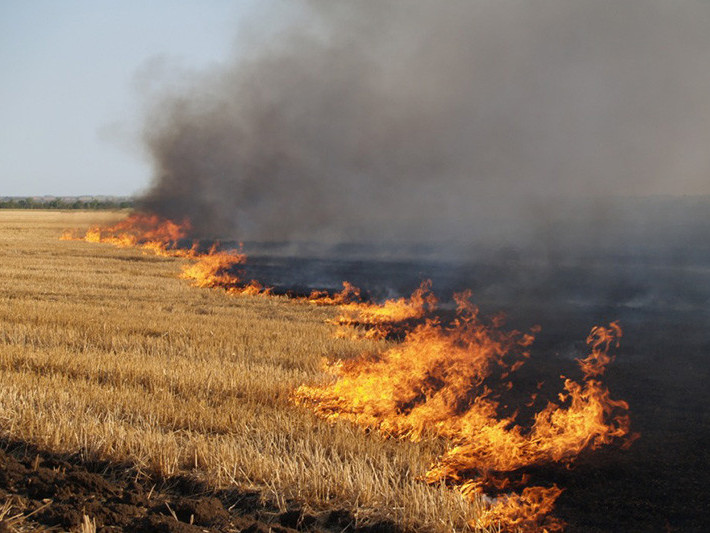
653	279
661	368
550	156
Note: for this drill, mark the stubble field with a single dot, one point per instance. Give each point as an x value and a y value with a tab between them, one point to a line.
107	356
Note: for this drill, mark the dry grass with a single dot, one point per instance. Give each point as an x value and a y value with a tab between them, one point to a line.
14	518
105	352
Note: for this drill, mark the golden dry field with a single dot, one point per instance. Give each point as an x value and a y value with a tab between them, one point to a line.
105	352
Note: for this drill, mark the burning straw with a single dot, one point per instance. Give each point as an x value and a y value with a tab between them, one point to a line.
436	383
441	381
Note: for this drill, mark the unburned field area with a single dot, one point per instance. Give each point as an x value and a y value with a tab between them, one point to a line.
161	393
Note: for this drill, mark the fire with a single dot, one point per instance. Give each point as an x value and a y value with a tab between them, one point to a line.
601	339
527	511
362	318
445	381
379	321
213	268
217	269
139	230
349	294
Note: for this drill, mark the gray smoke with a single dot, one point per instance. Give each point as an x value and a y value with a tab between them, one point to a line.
459	121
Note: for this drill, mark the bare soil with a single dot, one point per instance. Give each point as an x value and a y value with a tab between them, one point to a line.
54	492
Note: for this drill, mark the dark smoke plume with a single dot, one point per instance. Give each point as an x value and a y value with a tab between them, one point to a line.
454	121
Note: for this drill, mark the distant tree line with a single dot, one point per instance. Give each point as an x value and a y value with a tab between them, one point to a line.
66	203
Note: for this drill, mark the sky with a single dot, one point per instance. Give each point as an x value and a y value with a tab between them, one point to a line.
70	97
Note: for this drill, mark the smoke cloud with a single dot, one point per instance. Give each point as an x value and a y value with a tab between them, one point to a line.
453	121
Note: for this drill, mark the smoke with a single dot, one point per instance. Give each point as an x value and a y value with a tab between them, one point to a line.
454	121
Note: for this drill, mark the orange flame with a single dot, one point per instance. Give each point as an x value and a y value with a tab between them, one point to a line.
214	268
139	230
600	339
349	294
436	382
379	321
527	511
441	381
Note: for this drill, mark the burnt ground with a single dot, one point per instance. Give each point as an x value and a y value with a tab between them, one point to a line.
53	492
662	368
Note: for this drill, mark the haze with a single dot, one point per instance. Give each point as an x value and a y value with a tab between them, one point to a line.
360	120
438	121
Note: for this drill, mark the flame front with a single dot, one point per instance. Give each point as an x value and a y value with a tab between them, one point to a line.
140	230
444	381
389	319
214	268
217	269
349	294
441	381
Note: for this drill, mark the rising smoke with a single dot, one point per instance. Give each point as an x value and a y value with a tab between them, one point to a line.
426	120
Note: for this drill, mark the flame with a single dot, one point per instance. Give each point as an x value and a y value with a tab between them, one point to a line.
349	294
214	268
217	269
139	230
359	318
601	339
445	381
379	321
441	381
527	511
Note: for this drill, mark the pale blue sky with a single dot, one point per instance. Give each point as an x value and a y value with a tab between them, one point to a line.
69	99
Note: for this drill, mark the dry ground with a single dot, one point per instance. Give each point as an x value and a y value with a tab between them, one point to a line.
105	352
